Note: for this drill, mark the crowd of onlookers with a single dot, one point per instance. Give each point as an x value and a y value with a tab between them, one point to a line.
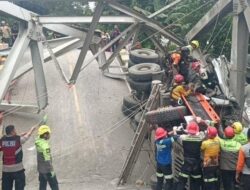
8	34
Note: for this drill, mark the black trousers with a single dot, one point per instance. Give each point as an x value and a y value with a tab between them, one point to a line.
191	168
245	182
228	179
48	178
8	178
164	172
210	177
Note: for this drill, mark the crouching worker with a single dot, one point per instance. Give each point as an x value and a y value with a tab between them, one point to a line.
44	159
164	159
179	90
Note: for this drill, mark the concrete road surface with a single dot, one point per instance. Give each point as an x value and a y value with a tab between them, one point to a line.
90	135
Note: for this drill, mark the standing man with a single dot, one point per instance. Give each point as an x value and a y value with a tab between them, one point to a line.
11	146
116	32
191	166
243	165
228	158
164	159
6	34
44	159
211	151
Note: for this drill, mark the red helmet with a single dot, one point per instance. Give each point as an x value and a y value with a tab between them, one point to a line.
178	78
229	132
192	128
211	132
160	133
195	65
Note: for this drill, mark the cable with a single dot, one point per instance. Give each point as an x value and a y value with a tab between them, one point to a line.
226	38
224	25
216	22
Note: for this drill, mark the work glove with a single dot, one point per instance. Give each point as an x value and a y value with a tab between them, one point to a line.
52	174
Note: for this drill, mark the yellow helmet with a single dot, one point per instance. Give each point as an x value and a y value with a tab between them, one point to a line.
43	129
237	126
195	43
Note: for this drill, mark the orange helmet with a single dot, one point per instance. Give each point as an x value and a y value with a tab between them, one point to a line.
178	78
192	128
176	58
160	133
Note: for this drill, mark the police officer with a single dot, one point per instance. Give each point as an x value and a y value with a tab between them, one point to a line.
228	158
11	146
211	151
192	158
44	159
243	165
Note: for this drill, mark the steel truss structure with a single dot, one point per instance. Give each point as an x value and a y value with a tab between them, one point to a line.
31	35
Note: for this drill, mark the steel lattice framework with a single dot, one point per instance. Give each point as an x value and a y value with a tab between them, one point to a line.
31	35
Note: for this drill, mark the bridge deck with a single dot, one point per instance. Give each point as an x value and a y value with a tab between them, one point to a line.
88	149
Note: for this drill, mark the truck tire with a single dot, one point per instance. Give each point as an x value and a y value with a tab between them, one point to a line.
126	111
133	124
130	102
143	56
130	63
166	114
143	71
138	117
139	86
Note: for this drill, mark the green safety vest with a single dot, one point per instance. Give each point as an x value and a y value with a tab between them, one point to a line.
44	160
241	138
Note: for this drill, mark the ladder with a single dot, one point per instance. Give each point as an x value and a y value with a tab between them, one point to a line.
140	134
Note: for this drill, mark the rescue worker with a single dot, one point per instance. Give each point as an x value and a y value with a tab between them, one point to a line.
228	159
194	77
179	89
44	159
239	137
243	165
186	50
164	159
211	151
11	146
191	167
175	59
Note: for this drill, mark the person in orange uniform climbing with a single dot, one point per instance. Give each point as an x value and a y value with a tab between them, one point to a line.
179	89
211	151
243	165
175	59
